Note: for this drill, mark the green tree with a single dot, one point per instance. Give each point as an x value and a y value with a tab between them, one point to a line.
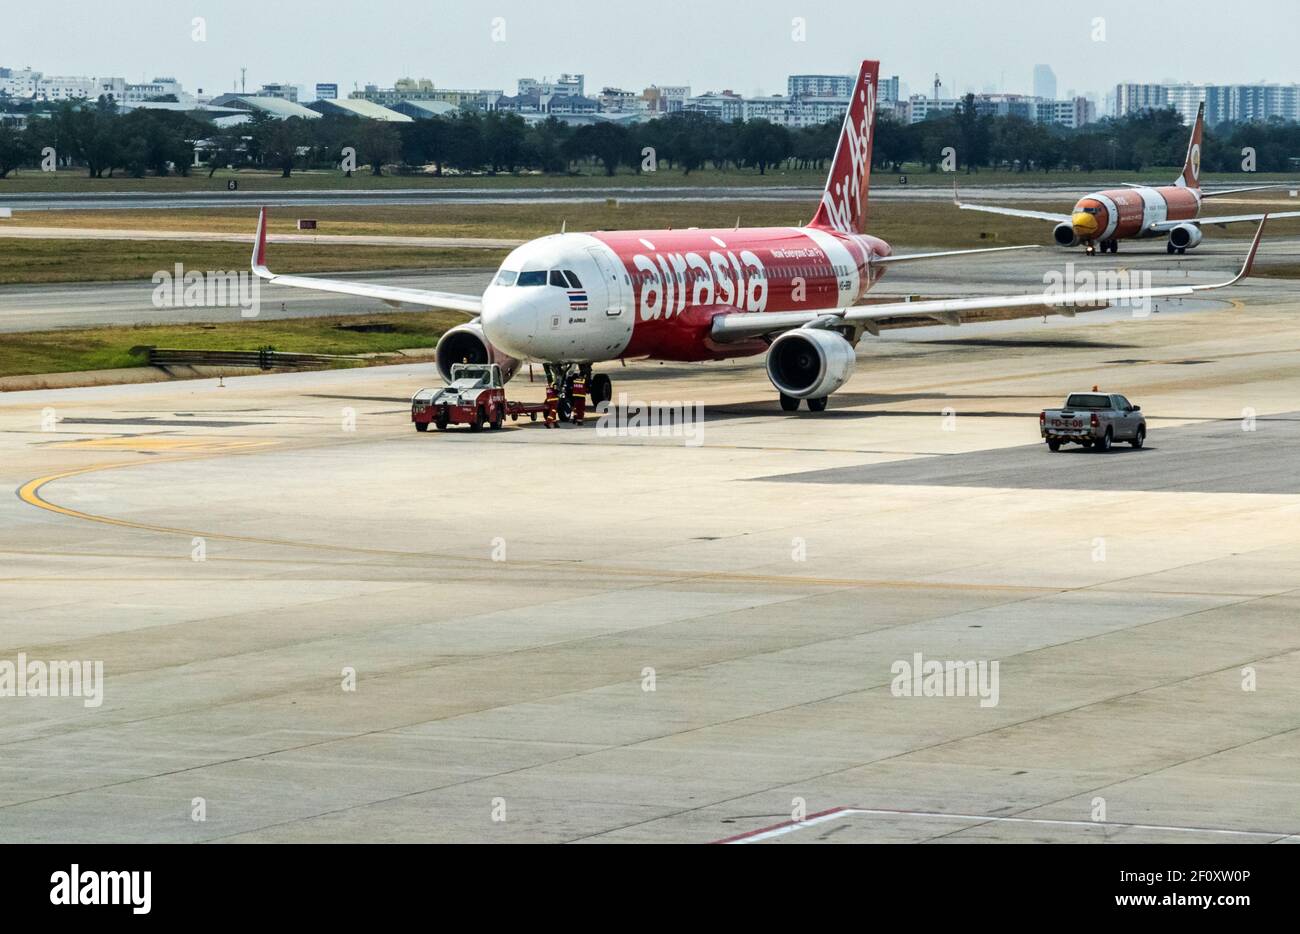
605	141
380	145
16	149
278	141
763	144
503	141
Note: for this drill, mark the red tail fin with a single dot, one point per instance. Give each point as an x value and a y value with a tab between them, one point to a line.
844	202
1191	177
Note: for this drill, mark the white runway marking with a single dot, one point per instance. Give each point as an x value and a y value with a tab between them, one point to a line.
822	817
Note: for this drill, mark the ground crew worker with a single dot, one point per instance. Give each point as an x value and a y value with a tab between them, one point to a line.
552	403
579	399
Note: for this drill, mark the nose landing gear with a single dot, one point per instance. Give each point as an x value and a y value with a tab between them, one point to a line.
577	388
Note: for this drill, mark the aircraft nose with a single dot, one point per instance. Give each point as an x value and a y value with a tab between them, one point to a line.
1084	223
509	321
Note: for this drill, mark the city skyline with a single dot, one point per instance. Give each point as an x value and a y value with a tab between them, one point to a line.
494	47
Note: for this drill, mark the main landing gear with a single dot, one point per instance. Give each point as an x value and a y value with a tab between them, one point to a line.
791	404
1170	248
577	389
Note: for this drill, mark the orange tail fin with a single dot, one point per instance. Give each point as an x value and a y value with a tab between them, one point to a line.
1191	177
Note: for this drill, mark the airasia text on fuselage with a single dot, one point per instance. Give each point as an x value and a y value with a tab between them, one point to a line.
669	283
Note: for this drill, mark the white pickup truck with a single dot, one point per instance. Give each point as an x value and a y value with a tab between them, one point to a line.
1095	420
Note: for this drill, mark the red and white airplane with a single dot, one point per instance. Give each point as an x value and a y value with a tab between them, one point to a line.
1103	218
573	300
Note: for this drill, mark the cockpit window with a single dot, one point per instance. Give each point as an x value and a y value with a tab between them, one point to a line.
532	277
506	277
557	278
1089	210
573	280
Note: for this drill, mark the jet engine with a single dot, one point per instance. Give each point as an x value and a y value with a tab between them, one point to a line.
1063	234
466	343
1184	236
810	363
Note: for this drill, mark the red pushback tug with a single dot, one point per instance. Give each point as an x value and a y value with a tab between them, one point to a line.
476	397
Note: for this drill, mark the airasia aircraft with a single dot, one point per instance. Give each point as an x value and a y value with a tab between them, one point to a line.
573	300
1104	218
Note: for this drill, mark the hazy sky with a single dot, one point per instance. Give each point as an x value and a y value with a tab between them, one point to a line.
745	45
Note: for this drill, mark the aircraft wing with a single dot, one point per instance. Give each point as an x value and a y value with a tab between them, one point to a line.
1222	221
912	257
1215	194
1009	212
1238	191
392	295
747	325
1014	212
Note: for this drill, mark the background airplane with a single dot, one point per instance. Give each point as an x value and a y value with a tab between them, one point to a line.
572	300
1103	218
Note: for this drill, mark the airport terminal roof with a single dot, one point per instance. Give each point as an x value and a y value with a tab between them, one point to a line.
424	109
272	106
358	108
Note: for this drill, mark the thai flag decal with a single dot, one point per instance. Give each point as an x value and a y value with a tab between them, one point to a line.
577	300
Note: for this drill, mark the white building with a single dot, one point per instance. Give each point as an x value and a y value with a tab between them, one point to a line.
151	90
566	84
18	82
283	90
62	88
725	105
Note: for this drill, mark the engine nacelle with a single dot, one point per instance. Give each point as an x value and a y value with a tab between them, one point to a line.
466	343
1185	236
810	363
1063	234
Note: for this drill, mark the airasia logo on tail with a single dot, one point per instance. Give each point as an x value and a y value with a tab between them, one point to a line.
842	202
669	282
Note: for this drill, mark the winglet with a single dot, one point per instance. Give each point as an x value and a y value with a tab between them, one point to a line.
1254	248
259	248
1246	266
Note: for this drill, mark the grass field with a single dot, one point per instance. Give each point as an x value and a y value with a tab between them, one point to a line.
112	348
49	261
70	180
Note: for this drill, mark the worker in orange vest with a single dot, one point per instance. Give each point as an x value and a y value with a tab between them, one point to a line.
579	398
552	403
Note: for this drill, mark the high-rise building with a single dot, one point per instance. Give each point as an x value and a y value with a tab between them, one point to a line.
1134	98
1224	103
1044	82
840	86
